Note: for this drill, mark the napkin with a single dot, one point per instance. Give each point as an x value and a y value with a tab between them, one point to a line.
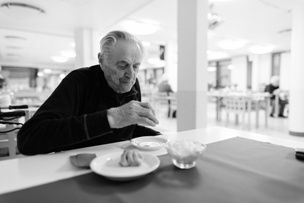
82	160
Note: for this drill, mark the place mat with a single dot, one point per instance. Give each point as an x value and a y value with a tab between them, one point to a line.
234	170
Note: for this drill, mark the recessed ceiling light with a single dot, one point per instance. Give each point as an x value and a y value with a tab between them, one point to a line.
11	5
140	28
47	70
215	55
68	53
230	67
230	44
211	68
62	75
261	49
59	59
146	44
40	74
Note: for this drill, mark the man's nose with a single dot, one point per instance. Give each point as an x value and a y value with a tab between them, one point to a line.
130	71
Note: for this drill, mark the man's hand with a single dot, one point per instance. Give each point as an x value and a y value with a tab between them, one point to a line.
134	112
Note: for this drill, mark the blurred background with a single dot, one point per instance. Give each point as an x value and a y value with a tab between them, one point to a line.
41	41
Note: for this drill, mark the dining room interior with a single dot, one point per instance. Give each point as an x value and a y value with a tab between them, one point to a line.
224	79
41	42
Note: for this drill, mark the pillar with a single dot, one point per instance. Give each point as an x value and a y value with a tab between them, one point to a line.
296	101
86	47
192	64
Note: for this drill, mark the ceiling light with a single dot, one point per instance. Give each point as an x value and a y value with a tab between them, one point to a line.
261	49
40	74
59	59
230	44
146	44
62	75
140	28
230	67
211	68
215	55
11	5
68	53
47	70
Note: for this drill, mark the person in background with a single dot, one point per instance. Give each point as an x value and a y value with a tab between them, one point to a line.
93	105
274	90
164	86
2	82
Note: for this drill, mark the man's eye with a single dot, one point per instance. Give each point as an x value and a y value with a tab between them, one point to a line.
136	67
122	64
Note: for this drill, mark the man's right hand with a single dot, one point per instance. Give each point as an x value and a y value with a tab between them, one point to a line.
134	112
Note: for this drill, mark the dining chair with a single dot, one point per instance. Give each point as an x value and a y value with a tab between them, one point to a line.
235	104
9	127
160	102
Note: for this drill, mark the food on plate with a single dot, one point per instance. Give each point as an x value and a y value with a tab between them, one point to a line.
131	157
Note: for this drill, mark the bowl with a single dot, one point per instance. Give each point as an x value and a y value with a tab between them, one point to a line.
185	153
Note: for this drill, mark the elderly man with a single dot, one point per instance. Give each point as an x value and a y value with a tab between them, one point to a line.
274	90
94	105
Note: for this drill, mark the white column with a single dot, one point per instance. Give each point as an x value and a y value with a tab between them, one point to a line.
171	64
296	103
192	64
239	72
86	47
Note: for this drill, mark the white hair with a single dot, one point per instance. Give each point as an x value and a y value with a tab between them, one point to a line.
111	38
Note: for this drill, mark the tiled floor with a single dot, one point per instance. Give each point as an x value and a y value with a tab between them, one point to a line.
276	126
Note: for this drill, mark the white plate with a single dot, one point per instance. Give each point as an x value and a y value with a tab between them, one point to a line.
108	166
149	142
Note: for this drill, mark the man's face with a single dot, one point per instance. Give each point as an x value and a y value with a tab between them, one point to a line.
122	65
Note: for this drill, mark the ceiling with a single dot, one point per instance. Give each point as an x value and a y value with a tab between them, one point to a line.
29	38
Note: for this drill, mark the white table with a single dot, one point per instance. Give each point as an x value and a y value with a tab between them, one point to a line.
21	173
243	103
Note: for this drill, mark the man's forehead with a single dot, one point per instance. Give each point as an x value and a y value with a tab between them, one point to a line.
126	49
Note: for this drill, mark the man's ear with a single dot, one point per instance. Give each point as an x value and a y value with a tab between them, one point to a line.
100	58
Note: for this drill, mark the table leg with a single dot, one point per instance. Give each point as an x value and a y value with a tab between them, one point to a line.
267	105
257	110
276	106
249	110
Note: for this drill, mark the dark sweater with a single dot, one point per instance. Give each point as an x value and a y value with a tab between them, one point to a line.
75	115
270	89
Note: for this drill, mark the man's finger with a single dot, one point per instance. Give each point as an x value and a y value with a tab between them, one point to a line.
148	113
147	106
146	121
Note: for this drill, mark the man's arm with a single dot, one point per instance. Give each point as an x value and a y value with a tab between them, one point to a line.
58	122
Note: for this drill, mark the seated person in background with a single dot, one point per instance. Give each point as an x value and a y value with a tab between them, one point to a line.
164	86
274	90
93	105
